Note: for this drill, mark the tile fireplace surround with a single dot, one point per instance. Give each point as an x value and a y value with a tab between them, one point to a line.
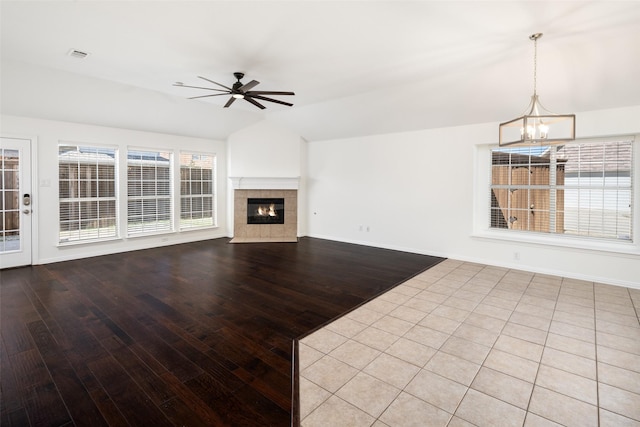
245	188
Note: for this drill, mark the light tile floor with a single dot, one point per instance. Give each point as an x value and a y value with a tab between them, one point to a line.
465	344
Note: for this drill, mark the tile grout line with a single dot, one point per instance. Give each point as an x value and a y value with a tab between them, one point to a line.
381	352
485	294
485	358
544	347
595	345
493	346
453	413
635	307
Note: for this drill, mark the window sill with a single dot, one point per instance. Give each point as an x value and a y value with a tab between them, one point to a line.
204	227
150	234
87	242
621	247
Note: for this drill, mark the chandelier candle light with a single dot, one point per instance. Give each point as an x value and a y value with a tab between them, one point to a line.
537	124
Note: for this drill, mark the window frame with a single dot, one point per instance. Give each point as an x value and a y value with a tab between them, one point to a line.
482	205
183	196
170	182
115	198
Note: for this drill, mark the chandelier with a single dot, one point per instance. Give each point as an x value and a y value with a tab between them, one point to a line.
537	124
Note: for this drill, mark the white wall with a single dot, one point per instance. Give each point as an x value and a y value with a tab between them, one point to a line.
268	150
414	191
49	133
421	191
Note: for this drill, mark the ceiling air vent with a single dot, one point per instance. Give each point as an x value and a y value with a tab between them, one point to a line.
75	53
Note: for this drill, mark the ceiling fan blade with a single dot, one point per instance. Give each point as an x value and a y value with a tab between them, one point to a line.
254	102
206	96
264	98
200	87
249	85
238	91
211	81
268	92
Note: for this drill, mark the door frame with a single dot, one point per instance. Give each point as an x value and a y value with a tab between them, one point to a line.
35	184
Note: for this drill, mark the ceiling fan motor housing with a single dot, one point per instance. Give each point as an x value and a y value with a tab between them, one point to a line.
236	92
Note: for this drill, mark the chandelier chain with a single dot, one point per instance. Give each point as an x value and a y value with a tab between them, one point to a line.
535	65
535	38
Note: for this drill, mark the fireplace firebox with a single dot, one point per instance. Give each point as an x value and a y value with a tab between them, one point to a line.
265	211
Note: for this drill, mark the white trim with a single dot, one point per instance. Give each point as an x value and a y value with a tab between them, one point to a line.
35	190
87	242
265	183
569	242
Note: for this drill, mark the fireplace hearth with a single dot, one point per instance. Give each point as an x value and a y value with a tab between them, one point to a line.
265	210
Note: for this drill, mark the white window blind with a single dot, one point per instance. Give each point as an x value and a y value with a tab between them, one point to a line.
87	193
197	172
582	188
149	204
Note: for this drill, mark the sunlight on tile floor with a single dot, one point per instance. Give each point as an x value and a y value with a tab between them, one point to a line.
465	344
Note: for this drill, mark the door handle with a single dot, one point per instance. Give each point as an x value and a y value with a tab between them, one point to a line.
26	211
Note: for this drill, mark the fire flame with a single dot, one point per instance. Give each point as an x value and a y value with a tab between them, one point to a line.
264	211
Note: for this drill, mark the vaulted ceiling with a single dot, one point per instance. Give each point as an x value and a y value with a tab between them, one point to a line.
357	67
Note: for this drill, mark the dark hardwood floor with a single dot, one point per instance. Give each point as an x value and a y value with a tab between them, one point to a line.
198	334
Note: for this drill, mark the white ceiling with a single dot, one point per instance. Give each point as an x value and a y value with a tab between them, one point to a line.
357	67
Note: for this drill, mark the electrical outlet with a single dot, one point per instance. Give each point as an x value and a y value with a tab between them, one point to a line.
516	256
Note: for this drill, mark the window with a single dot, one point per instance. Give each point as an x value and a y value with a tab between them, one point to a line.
9	200
87	192
149	207
196	190
582	188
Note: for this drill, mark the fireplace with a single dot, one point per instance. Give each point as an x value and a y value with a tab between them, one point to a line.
255	220
265	210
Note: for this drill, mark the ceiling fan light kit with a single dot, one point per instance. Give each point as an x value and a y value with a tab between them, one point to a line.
537	124
240	91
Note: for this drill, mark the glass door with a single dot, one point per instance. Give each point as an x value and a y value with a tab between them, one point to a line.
16	203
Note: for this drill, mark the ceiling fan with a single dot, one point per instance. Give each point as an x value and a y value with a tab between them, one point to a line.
240	91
